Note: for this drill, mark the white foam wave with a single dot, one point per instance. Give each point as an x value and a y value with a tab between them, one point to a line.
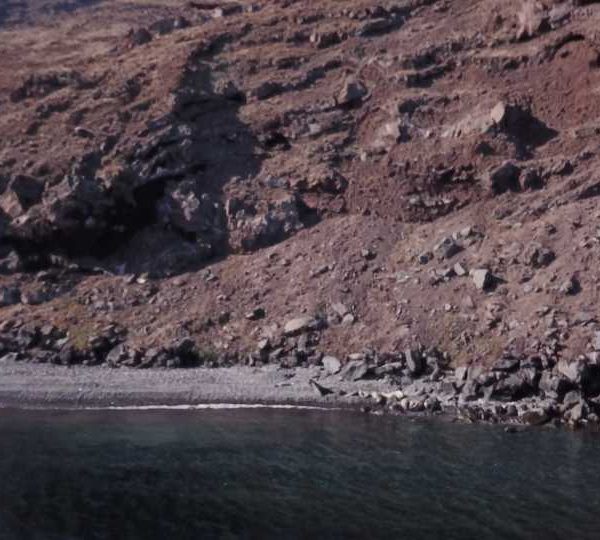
203	406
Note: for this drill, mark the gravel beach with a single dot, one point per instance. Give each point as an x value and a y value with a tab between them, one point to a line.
27	385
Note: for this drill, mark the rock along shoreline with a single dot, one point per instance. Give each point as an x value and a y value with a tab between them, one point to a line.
39	366
413	386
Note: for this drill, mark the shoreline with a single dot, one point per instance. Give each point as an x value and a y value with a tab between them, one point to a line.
25	385
29	386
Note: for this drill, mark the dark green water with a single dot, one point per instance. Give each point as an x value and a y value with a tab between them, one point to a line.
289	474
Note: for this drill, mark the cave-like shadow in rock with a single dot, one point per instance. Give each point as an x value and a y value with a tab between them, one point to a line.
205	147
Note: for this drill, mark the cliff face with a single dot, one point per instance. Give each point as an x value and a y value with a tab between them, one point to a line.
392	174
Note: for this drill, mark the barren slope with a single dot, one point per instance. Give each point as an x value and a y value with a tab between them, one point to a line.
175	169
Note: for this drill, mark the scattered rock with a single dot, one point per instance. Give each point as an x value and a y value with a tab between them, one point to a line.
139	36
298	326
340	309
352	93
554	386
368	254
320	389
459	270
570	286
256	314
482	278
331	364
447	248
425	257
537	255
578	372
414	362
348	320
354	370
535	417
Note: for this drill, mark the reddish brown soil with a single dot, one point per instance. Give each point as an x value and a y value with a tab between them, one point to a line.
395	201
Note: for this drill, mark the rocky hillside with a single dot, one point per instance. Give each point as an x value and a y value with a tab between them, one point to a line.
192	179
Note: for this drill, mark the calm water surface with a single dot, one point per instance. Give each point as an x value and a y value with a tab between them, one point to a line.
289	474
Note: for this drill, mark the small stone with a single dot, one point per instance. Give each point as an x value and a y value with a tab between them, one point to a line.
320	271
264	345
354	370
388	369
140	36
577	413
461	373
256	314
446	273
352	93
577	372
460	270
12	263
447	248
537	255
348	319
319	388
498	113
482	278
340	309
570	286
414	362
535	417
298	326
468	302
368	254
224	317
571	399
332	365
468	232
226	10
83	133
326	39
425	257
